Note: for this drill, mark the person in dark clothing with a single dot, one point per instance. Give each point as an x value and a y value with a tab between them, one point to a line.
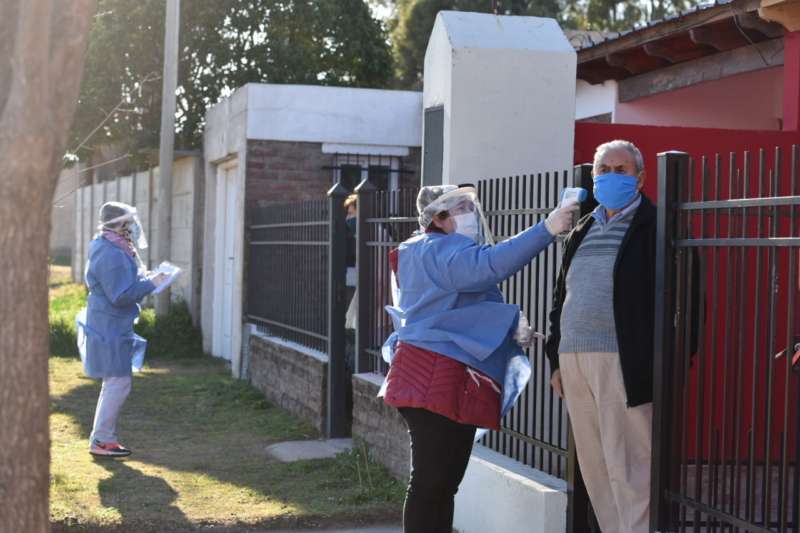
351	204
600	345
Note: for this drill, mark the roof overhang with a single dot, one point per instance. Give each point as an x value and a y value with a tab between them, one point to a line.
726	30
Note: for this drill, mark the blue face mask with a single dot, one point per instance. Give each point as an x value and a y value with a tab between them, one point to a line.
615	191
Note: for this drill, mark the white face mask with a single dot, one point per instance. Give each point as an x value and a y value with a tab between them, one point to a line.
467	225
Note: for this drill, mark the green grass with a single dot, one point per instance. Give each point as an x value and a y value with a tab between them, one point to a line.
198	438
173	336
59	275
65	302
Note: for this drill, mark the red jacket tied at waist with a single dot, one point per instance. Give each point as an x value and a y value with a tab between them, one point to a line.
424	379
427	380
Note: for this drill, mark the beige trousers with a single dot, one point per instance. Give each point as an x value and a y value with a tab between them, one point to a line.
613	441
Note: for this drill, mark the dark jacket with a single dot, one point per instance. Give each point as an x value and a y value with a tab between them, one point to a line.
350	252
634	294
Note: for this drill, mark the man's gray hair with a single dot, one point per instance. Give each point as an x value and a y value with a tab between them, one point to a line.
617	145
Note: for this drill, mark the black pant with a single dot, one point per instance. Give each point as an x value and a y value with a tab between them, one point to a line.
440	450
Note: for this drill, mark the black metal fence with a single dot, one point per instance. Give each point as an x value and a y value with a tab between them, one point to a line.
726	418
287	272
534	432
385	219
296	286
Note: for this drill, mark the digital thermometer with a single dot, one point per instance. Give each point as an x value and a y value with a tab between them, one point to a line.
573	195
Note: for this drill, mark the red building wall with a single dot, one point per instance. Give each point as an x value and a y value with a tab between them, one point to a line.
652	140
725	103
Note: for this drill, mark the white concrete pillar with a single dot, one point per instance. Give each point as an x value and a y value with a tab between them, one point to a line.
506	87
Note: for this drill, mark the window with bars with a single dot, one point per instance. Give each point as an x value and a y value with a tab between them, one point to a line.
382	170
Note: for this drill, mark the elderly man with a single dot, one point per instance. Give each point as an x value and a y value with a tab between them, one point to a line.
601	339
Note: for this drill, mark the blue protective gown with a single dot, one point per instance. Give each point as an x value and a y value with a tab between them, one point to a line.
449	303
116	286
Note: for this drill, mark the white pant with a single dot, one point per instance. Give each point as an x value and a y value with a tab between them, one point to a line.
112	395
613	441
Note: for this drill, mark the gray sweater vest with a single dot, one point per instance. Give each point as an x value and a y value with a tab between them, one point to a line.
587	317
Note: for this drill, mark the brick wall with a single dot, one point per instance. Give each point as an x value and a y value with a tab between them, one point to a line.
292	379
282	172
380	426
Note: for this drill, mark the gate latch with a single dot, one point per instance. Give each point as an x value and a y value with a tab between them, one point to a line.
796	358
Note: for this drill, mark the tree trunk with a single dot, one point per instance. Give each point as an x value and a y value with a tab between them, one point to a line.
42	49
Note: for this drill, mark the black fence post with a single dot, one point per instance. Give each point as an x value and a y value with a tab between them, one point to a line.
336	421
582	177
364	289
577	498
578	507
672	170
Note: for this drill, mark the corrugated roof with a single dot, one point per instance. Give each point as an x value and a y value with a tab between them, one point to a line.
588	39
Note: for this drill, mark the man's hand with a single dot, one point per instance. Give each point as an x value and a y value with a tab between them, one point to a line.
555	382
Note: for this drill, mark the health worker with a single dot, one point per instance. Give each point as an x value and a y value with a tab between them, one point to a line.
456	356
110	350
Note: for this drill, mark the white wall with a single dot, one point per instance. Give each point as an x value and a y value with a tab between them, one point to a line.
225	133
62	223
507	85
224	142
499	494
593	100
334	115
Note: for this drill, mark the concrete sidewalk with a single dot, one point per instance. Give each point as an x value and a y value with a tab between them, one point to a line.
305	450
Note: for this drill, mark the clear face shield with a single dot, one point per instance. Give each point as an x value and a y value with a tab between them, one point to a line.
132	224
463	206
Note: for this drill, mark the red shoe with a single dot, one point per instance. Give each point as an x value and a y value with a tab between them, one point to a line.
108	449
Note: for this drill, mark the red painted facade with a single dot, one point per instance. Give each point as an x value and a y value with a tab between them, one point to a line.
791	81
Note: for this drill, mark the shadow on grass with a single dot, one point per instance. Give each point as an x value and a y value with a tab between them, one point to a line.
115	492
206	434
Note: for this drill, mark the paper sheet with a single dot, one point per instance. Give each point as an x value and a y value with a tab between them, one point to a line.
172	273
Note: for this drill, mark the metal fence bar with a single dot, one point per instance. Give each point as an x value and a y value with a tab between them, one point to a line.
289	225
289	243
282	325
774	201
790	340
578	506
766	242
336	423
727	473
741	303
394	220
766	477
366	195
713	434
672	168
